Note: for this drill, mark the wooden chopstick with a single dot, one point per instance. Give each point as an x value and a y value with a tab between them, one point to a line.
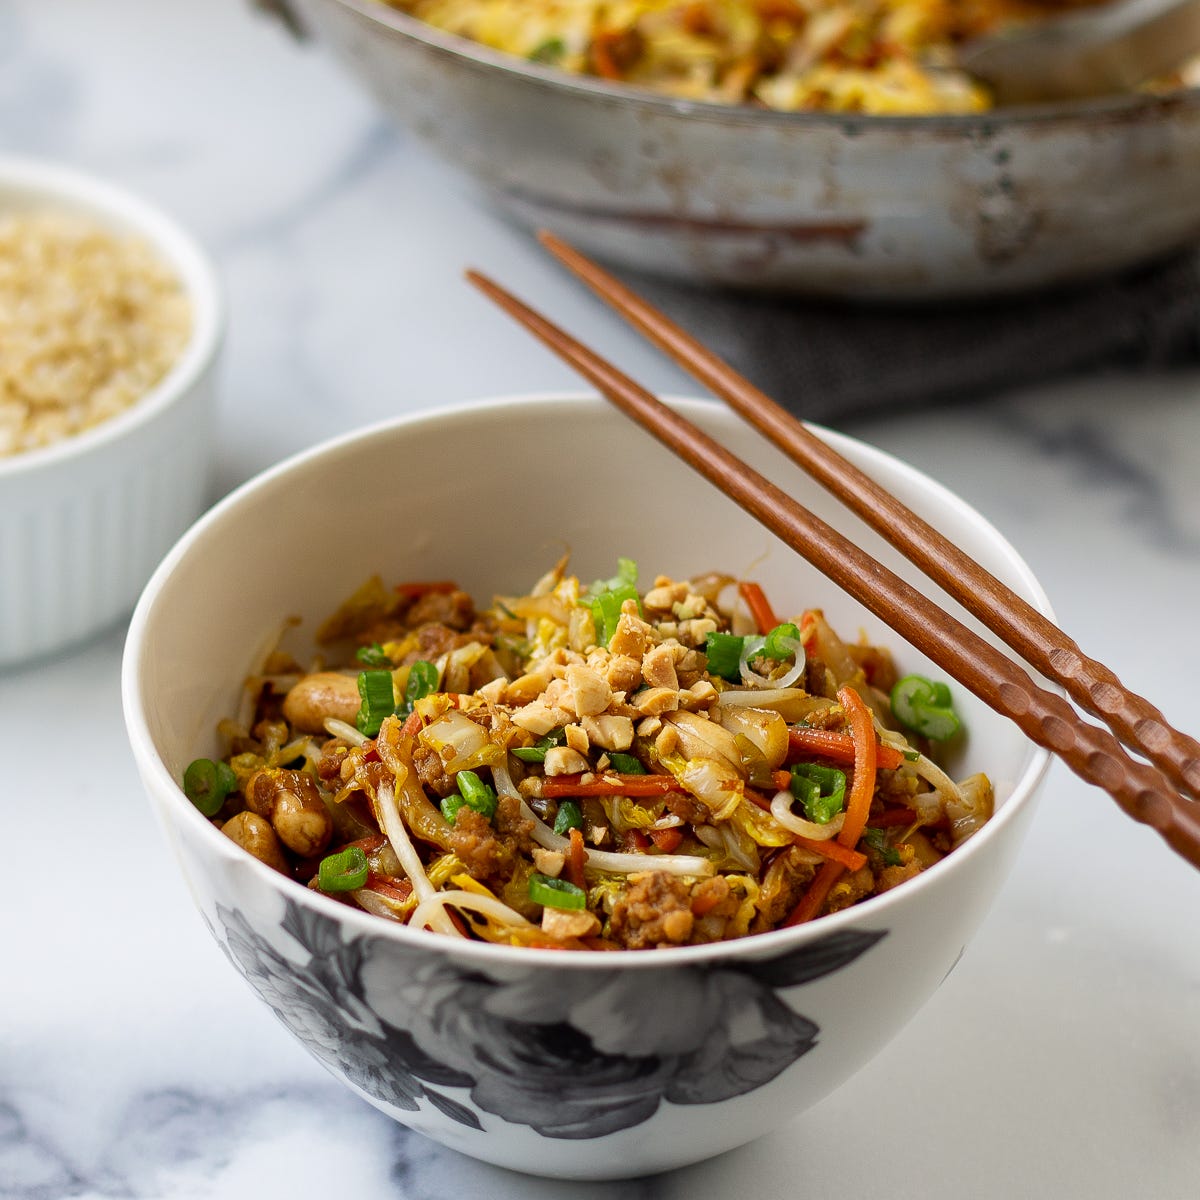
1046	718
1092	685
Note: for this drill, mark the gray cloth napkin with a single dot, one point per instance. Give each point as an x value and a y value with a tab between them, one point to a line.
828	360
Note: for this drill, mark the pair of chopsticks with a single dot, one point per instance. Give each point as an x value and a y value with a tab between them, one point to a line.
1161	793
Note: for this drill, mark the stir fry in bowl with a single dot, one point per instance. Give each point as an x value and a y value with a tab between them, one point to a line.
591	767
875	56
584	1065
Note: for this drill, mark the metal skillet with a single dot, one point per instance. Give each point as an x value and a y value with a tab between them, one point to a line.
864	207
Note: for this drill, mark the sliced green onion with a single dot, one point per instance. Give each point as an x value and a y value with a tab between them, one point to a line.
472	792
782	642
724	651
476	794
607	596
877	840
422	682
537	752
549	51
925	707
752	647
606	612
555	893
625	764
821	791
207	783
531	754
378	701
568	817
373	656
344	872
626	576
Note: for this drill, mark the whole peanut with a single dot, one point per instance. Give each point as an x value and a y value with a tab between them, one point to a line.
291	801
325	694
255	835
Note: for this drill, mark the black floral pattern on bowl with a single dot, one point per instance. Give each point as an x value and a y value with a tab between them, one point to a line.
595	1052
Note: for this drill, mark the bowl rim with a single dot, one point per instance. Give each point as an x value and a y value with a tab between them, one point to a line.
122	209
167	790
463	48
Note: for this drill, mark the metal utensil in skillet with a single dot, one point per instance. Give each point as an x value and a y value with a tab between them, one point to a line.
1097	51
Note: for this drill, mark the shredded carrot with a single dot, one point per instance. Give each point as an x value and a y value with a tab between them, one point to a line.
862	730
812	900
609	784
634	841
705	902
832	744
369	844
858	805
759	606
834	851
603	59
398	892
412	726
576	858
756	797
781	779
667	840
808	629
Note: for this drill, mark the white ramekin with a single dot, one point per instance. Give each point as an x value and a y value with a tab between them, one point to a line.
84	522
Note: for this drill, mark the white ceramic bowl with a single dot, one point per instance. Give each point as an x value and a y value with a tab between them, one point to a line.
576	1065
83	522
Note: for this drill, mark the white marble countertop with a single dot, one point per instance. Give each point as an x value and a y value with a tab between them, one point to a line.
1061	1058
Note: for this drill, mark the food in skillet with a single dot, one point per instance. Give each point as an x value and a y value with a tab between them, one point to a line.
871	56
591	767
